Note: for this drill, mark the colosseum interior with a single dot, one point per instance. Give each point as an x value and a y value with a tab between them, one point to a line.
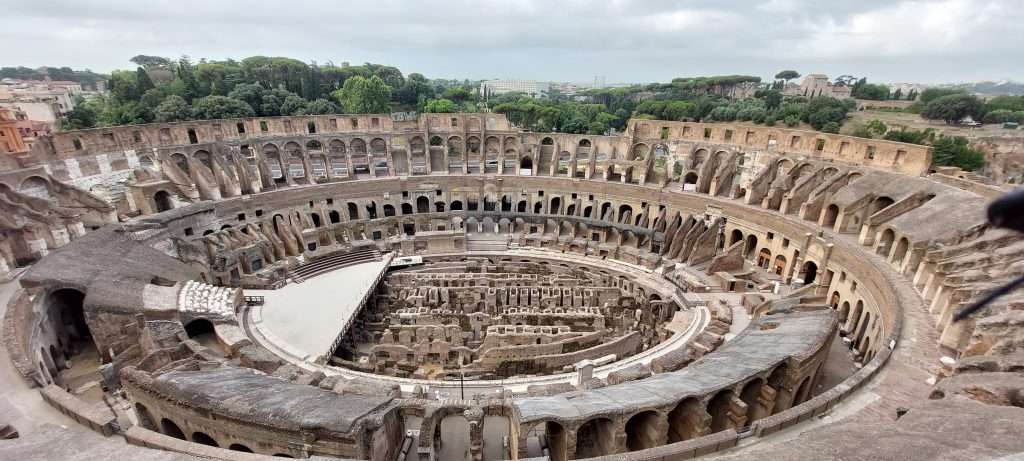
454	288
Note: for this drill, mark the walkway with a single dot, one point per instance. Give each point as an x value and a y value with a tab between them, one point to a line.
47	434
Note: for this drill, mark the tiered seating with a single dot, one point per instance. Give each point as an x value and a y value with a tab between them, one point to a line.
332	261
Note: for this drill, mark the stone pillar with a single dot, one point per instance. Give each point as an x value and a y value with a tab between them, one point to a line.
60	236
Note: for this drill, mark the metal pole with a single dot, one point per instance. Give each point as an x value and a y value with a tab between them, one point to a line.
462	386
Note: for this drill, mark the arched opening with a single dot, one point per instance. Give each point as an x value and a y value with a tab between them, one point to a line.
751	396
764	258
780	265
718	408
496	430
168	428
439	207
521	206
145	417
316	219
456	206
751	245
389	210
831	215
556	205
690	178
525	166
595	438
863	326
802	391
809	273
553	438
240	447
406	208
203	439
686	421
643	431
353	211
858	309
777	381
453	436
334	216
66	311
885	242
735	236
901	251
880	204
844	312
199	327
162	200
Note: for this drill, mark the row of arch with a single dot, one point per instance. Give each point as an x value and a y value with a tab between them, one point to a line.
690	418
171	429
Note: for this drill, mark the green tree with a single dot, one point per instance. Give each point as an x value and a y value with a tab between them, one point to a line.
293	104
360	95
142	81
320	106
830	127
81	117
787	75
953	108
440	106
932	94
955	151
415	90
149	62
870	91
876	128
174	108
215	106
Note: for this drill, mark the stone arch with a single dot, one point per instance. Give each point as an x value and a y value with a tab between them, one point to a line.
686	421
389	210
809	272
162	201
751	395
35	186
145	418
690	178
844	312
422	204
203	439
456	205
170	429
595	438
644	431
353	211
639	152
718	408
879	204
778	380
901	251
855	317
831	215
406	208
802	391
334	217
240	447
199	327
885	242
526	166
780	265
750	246
735	236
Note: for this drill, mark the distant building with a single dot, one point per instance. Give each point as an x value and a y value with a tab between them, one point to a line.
816	86
11	140
43	101
530	87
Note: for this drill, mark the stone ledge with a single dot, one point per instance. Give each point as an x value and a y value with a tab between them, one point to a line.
74	408
688	449
142	437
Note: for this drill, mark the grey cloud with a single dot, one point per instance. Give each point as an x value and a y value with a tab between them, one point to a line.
624	40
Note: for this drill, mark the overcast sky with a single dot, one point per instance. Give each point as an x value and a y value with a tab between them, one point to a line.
927	41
